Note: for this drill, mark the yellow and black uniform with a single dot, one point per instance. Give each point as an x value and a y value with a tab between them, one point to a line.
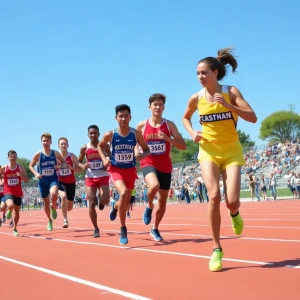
220	143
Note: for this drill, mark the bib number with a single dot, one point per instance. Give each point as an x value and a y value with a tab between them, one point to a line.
47	172
96	165
13	181
157	148
65	172
124	158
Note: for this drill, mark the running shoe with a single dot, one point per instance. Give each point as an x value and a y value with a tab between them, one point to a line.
123	236
147	215
156	234
215	263
237	224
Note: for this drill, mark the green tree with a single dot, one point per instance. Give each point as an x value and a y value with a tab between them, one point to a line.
190	153
245	139
280	126
25	163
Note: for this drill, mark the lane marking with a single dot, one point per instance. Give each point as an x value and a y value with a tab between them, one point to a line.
251	262
76	279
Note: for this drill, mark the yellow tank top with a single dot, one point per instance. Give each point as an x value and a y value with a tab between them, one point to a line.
218	122
133	192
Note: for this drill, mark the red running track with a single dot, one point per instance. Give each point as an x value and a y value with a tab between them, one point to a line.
263	263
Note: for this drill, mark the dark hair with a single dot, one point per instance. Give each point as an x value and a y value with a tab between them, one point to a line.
225	57
157	96
93	127
122	107
46	136
10	152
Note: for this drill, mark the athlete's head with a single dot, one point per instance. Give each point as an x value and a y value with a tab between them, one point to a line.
93	133
46	140
63	143
213	69
157	104
12	156
123	114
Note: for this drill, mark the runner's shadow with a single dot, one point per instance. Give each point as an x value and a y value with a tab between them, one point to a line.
284	263
288	263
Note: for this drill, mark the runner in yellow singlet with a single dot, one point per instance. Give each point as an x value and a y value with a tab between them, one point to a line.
220	151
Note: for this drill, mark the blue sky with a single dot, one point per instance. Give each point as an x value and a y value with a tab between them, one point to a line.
66	64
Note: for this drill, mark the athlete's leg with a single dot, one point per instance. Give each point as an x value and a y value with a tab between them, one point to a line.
162	197
47	207
153	187
63	196
53	194
104	194
211	175
16	217
123	202
232	184
91	193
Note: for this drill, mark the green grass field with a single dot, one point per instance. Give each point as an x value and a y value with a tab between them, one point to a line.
281	192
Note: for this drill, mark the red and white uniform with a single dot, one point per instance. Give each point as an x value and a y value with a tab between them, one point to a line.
95	175
66	175
12	182
160	149
95	163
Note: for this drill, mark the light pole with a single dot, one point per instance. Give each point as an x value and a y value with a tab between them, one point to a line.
292	108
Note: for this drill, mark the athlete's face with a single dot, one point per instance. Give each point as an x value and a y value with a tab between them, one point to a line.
93	134
157	107
123	118
12	158
63	145
46	142
206	76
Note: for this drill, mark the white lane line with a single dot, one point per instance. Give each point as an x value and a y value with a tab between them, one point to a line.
179	224
187	235
76	279
251	262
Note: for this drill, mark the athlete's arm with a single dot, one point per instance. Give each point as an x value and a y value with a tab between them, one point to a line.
23	174
177	140
32	164
59	158
140	140
140	126
2	170
102	145
196	135
241	106
78	165
82	155
237	105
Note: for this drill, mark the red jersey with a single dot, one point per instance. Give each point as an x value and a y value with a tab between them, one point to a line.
160	149
12	182
66	175
96	168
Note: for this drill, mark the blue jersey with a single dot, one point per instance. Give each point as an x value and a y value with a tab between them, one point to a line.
46	167
122	149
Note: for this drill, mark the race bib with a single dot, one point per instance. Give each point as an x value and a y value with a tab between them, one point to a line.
124	157
96	165
47	172
65	172
157	148
13	181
